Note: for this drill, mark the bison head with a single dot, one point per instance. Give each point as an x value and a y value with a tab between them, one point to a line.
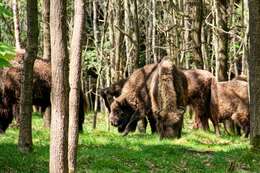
169	125
121	114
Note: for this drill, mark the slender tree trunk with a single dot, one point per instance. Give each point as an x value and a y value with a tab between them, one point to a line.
112	41
75	69
254	72
196	24
25	133
46	51
16	25
186	41
128	30
149	29
46	30
136	34
153	5
97	56
221	40
118	22
245	46
60	88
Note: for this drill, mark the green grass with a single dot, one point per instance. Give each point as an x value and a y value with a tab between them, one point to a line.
103	151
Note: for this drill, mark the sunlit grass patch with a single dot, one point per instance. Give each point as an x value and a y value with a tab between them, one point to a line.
108	151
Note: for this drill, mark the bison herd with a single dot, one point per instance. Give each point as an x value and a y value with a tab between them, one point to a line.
159	93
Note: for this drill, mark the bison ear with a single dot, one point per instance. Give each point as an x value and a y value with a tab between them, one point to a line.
117	101
121	102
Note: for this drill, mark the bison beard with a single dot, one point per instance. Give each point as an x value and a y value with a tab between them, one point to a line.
11	82
230	101
142	91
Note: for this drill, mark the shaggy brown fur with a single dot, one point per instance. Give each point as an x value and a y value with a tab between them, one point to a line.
199	86
6	115
134	101
114	90
11	82
141	92
169	98
109	93
230	101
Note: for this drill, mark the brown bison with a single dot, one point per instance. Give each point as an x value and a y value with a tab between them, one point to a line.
6	115
10	87
199	93
229	100
144	93
109	93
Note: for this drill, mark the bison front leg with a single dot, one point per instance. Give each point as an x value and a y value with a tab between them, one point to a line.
142	124
132	122
152	122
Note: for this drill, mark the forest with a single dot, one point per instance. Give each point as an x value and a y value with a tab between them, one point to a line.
129	86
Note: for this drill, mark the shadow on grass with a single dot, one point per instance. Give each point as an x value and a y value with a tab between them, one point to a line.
112	153
137	156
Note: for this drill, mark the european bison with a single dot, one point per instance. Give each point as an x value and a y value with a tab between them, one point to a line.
10	87
6	115
229	100
109	93
143	90
199	86
168	94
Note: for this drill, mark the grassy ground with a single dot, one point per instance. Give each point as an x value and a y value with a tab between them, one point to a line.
103	151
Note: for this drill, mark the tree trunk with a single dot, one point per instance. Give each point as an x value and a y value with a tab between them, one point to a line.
196	24
153	10
245	46
97	57
16	25
149	30
60	88
75	69
46	51
254	72
25	133
119	38
221	40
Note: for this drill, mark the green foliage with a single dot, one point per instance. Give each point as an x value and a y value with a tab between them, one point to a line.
5	11
6	54
103	151
90	60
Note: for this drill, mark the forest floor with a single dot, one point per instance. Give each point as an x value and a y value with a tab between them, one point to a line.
103	151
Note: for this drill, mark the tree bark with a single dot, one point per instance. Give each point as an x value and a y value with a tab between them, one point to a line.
60	88
148	36
254	72
196	24
97	57
16	25
221	39
25	133
245	46
46	51
119	37
153	10
75	86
